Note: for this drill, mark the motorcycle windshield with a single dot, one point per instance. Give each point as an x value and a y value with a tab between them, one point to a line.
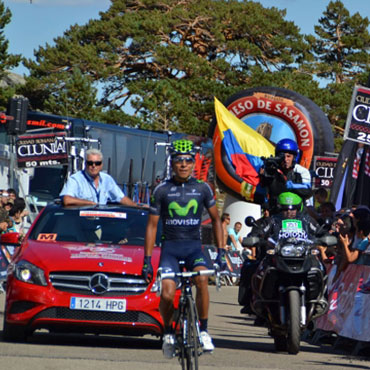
293	229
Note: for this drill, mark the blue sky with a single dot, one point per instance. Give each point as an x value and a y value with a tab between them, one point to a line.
37	23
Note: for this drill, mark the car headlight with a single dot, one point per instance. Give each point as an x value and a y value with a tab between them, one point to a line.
29	273
292	251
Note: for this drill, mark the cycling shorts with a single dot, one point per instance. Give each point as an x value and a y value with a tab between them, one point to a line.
189	251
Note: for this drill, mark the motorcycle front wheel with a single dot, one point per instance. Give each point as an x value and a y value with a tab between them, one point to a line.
294	329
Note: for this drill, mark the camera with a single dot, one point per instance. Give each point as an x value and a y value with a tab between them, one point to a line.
271	164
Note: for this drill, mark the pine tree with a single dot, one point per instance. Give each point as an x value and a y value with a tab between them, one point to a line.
7	61
342	44
75	97
161	63
341	51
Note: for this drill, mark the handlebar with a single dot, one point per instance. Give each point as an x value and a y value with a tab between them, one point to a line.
157	286
163	275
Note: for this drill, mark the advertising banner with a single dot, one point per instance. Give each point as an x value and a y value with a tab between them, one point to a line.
233	260
41	150
324	171
348	300
6	252
358	118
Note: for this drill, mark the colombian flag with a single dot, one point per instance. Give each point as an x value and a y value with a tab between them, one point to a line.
243	145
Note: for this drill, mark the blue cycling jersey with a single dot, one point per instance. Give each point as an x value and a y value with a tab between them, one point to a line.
180	205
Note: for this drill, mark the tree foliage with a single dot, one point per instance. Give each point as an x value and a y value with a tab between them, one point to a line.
7	61
341	49
341	55
158	65
162	62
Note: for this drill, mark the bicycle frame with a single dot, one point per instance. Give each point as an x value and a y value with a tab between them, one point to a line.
186	295
188	350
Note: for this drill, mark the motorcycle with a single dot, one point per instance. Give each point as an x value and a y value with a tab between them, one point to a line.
289	286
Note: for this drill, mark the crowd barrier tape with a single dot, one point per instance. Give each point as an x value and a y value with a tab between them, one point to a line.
349	299
234	261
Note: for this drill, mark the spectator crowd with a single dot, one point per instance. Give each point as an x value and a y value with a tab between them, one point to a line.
13	212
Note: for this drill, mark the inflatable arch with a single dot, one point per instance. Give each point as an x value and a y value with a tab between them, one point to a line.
275	113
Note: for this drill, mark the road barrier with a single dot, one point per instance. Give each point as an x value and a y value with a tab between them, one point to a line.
234	262
348	315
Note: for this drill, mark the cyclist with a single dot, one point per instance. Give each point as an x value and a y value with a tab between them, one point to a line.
179	202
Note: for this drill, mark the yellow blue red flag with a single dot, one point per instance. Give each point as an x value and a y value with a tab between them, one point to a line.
243	145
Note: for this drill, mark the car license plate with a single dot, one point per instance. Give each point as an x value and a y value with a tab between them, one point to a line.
98	304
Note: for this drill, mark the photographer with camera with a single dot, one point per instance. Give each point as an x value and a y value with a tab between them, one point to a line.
282	173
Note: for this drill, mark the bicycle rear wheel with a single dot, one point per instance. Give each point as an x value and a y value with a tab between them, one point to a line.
191	345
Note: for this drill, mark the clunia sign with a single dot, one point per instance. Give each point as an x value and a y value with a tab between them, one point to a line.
41	150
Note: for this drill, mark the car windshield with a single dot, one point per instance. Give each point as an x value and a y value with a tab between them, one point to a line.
112	226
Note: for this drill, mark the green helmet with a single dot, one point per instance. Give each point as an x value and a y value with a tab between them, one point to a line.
288	200
182	146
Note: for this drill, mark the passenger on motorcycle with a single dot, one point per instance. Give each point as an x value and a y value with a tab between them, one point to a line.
283	173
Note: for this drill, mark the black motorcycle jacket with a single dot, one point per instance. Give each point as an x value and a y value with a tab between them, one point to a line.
273	228
276	184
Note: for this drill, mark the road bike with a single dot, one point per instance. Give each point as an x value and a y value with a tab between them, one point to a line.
186	322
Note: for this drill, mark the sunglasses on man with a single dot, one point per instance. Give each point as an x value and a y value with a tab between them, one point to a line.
96	163
182	159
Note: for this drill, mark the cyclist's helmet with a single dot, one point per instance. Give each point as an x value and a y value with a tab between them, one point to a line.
288	200
179	147
287	146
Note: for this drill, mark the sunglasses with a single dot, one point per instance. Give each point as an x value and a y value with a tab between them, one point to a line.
91	163
181	159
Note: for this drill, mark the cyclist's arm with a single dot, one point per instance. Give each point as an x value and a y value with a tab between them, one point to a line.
217	226
150	234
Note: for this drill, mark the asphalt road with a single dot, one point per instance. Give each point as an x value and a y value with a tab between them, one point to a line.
239	345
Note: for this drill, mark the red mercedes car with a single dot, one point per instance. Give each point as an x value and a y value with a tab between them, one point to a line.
79	270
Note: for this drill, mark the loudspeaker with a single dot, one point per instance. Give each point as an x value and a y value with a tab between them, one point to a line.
17	108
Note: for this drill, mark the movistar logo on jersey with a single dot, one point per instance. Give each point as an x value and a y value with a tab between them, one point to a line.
183	211
182	222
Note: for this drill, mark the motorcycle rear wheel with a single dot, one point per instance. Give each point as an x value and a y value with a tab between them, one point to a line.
294	329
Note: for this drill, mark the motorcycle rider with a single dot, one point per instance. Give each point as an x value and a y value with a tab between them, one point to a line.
290	206
283	173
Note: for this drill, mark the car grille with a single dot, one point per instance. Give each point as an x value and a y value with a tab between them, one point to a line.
116	285
65	313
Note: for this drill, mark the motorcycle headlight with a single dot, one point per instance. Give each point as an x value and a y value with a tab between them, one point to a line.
29	273
292	251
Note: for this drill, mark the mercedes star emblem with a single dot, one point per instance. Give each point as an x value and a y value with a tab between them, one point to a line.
99	283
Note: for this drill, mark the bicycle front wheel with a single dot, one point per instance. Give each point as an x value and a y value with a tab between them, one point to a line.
191	333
